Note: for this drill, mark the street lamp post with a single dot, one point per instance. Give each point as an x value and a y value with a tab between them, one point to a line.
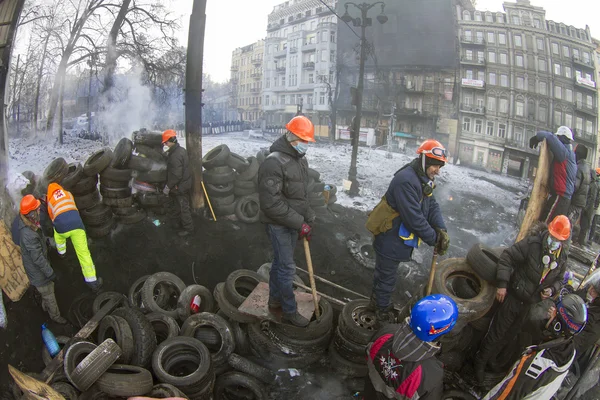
363	22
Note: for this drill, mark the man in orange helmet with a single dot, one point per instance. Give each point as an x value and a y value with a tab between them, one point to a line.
179	183
34	254
529	271
285	209
406	215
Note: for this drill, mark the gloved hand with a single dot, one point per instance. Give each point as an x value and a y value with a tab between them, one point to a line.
533	142
443	241
312	217
305	232
166	190
52	277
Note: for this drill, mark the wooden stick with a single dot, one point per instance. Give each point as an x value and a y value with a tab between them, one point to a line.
335	285
432	272
311	277
208	200
32	388
331	299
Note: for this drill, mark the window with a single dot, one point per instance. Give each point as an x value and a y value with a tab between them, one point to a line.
500	18
557	117
556	69
479	37
555	48
518	134
502	130
579	124
520	83
490	129
516	20
491	104
282	100
502	38
478	126
537	23
481	75
283	80
519	61
466	16
542	65
324	55
504	106
332	37
503	58
489	17
311	78
542	114
322	98
491	57
575	53
589	127
520	108
466	124
324	36
309	98
492	78
586	56
540	44
568	120
504	80
518	41
568	72
469	74
543	88
313	25
589	101
469	55
579	97
267	100
478	16
468	100
468	35
566	51
558	92
569	95
332	56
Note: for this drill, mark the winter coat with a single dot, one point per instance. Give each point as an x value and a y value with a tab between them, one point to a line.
403	367
420	214
582	185
34	253
65	217
520	267
564	167
179	177
283	187
590	334
591	202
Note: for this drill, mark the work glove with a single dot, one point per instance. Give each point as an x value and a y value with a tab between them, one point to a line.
312	217
443	241
533	142
305	232
166	191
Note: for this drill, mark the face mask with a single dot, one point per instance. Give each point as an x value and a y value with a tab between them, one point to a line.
553	244
165	148
301	148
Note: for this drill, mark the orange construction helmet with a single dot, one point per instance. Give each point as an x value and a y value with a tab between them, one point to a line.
560	227
597	171
302	127
433	149
29	204
168	134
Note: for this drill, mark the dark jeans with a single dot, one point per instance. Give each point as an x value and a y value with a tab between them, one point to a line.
178	207
384	280
283	269
555	205
586	223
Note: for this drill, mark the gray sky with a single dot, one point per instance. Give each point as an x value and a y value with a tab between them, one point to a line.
236	23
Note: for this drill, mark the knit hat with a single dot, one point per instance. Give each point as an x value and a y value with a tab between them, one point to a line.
433	161
581	152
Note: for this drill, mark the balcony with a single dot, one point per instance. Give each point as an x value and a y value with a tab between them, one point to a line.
274	107
473	84
471	61
255	90
410	112
257	61
309	47
293	50
308	65
585	83
256	75
280	70
584	63
280	53
586	108
472	41
470	108
585	136
308	107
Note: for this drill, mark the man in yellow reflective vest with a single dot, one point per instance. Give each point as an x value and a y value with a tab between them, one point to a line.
68	225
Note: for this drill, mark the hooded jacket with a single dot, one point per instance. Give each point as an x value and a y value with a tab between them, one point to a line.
34	252
401	366
520	267
283	186
591	203
590	334
582	184
564	167
179	178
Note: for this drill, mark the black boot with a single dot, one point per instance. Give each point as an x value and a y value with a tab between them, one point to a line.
295	319
386	315
479	369
372	303
273	303
96	285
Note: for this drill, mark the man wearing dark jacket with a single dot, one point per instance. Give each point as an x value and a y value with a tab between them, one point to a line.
34	254
179	183
285	209
585	340
564	169
589	211
582	186
529	271
407	215
401	360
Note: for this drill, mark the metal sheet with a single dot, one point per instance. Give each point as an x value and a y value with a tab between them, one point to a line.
256	304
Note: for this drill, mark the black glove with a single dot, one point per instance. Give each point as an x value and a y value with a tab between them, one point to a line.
52	277
533	142
443	241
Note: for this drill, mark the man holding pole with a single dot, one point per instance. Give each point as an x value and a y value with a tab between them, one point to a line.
285	209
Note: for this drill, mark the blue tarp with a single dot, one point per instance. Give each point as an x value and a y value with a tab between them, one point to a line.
404	135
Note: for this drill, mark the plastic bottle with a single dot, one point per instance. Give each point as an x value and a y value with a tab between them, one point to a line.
195	305
50	341
327	188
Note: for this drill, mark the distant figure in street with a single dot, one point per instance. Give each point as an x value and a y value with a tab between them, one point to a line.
406	215
285	209
564	169
589	211
179	184
580	193
35	255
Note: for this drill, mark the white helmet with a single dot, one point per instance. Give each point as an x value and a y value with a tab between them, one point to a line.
564	131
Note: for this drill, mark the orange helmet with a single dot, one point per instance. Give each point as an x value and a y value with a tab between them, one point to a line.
597	171
433	149
168	134
560	227
302	127
29	204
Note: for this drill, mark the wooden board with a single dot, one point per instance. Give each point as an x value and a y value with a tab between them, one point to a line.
32	387
256	304
539	194
13	279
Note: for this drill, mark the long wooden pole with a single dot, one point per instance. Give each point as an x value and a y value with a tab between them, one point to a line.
311	277
335	285
432	272
208	201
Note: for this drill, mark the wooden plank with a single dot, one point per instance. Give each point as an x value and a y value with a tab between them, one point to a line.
84	333
13	279
539	194
33	388
256	304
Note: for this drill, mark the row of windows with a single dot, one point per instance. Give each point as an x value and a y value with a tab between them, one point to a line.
581	100
293	99
247	74
470	124
477	126
249	101
323	37
302	27
292	79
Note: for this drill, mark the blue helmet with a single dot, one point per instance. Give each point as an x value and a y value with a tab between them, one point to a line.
433	316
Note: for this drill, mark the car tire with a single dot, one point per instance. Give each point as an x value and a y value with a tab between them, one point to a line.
141	164
165	327
122	153
239	284
134	295
149	152
148	199
246	185
247	209
56	170
299	346
105	297
89	370
228	309
117	329
207	302
144	338
348	349
246	366
239	192
484	262
332	199
124	211
116	175
223	201
66	390
223	210
217	323
251	172
125	380
98	215
165	391
111	193
87	201
118	203
218	178
219	190
357	322
237	162
217	157
237	380
74	175
96	232
134	218
242	346
108	184
147	138
166	278
86	185
98	162
345	368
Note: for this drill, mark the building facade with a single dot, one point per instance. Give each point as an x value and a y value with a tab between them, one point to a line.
299	62
246	82
521	73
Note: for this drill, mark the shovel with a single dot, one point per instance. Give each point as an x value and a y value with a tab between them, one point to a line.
432	272
311	276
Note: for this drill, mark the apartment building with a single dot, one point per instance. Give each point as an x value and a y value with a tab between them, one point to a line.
246	81
521	73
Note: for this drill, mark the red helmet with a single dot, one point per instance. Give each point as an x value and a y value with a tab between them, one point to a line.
302	127
433	149
168	134
29	204
560	227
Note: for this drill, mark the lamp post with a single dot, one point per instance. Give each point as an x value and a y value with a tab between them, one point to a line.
363	21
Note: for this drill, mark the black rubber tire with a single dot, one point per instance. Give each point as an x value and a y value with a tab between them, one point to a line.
185	350
251	172
98	162
119	203
242	345
117	175
117	329
86	185
115	193
246	366
247	209
125	380
483	261
220	325
165	391
154	176
332	190
239	380
208	336
46	357
87	201
144	338
56	170
314	174
96	232
66	390
219	190
151	199
239	284
228	309
332	199
456	395
357	322
74	175
149	152
165	327
237	162
262	155
134	218
108	184
345	368
348	349
223	201
134	295
315	329
104	297
141	163
96	216
207	302
89	370
246	185
122	153
481	324
217	157
299	346
124	211
218	179
147	138
222	210
148	291
238	192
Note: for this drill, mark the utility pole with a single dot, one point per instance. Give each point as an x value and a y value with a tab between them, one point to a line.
193	99
363	22
91	63
391	130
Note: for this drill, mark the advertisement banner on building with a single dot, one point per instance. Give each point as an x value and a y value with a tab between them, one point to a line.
366	136
473	83
587	82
